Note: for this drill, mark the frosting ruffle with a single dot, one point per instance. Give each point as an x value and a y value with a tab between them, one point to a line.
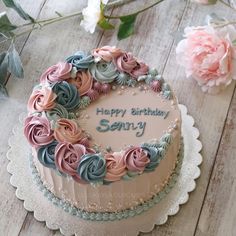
37	130
104	72
116	167
67	131
136	159
58	72
80	60
67	95
67	158
46	155
92	168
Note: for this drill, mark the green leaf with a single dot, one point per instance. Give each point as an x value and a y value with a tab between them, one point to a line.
5	24
16	6
104	24
3	67
14	63
3	92
126	27
234	42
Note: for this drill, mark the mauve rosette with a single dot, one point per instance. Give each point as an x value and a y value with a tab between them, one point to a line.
152	154
92	168
83	82
136	159
60	71
126	62
80	60
67	95
67	131
116	167
139	70
106	53
37	130
41	100
46	155
104	72
68	157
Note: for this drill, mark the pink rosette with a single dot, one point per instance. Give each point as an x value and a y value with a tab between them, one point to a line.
83	82
37	130
67	158
107	53
126	62
136	159
116	167
41	100
139	70
207	54
68	131
60	71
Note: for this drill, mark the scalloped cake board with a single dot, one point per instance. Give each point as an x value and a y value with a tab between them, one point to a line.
57	218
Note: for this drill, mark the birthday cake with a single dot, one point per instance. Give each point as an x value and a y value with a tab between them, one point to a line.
105	132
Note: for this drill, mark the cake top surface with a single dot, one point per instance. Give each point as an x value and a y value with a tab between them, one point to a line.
101	116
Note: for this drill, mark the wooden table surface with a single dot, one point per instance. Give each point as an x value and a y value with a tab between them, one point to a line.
211	209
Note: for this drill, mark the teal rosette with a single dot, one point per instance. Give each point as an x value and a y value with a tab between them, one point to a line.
152	153
104	72
67	95
57	112
92	168
81	60
46	154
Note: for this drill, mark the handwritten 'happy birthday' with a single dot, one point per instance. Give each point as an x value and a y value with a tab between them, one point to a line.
139	127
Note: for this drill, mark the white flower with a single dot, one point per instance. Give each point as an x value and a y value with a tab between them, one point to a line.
92	15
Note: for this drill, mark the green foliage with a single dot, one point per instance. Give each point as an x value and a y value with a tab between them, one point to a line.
126	27
5	24
14	63
3	67
16	6
104	24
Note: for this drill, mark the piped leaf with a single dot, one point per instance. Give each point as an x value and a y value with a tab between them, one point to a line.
104	24
126	27
14	63
5	24
17	7
3	67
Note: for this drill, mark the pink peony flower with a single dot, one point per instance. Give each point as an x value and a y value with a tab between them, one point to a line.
67	158
136	159
37	130
41	100
83	82
126	62
207	54
116	167
67	131
107	53
60	71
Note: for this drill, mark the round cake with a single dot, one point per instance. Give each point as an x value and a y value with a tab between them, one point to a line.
105	131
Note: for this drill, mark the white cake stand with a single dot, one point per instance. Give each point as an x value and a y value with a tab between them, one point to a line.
57	218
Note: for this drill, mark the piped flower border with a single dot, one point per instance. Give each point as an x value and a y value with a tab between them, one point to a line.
110	216
51	127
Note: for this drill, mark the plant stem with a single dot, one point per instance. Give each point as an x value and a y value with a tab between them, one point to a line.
225	24
135	13
41	23
227	4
